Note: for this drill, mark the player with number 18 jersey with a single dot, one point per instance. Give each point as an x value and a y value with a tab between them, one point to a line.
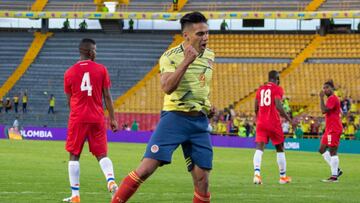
85	81
268	119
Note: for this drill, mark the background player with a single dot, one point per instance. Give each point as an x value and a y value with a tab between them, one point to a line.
268	105
186	72
85	83
333	129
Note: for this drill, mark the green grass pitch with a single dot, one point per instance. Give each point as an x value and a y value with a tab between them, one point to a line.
36	171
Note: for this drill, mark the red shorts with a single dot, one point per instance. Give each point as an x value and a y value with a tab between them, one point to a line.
94	133
331	138
276	135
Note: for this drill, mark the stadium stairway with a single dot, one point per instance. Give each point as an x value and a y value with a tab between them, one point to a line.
143	101
110	26
128	58
314	5
245	104
246	5
31	54
13	48
39	5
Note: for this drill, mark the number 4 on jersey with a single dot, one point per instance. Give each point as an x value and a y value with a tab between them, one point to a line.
265	97
85	84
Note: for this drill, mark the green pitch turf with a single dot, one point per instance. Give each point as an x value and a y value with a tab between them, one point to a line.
36	171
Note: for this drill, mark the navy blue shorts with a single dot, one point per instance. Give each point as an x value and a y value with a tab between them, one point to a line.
191	132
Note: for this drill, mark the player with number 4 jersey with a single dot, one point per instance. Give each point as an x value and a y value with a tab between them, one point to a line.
268	105
85	84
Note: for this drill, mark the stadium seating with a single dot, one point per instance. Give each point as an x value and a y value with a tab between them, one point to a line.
70	5
89	5
303	85
259	45
146	5
16	5
340	5
127	56
246	5
12	50
339	46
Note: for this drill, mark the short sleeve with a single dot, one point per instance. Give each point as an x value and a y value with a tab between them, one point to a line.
107	81
331	102
166	65
279	93
258	94
67	83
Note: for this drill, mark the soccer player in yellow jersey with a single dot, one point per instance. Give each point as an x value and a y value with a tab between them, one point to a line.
186	72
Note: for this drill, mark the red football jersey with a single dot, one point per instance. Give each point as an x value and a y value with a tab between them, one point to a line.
85	81
268	116
333	117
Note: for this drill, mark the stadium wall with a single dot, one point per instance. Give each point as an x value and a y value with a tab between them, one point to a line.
59	134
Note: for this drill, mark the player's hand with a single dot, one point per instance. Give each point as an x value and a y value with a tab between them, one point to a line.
322	94
190	54
114	125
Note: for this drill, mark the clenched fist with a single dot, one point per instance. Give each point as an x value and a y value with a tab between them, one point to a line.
190	54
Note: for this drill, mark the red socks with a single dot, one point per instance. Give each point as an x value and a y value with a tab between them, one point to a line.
127	188
201	198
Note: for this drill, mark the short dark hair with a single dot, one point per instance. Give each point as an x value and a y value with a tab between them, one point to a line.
86	41
273	75
85	45
330	82
192	18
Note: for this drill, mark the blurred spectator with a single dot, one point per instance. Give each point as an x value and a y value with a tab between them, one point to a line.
345	106
299	132
135	126
104	8
24	102
224	26
357	134
305	126
353	107
51	104
16	102
131	25
8	105
314	127
286	105
232	111
248	129
242	131
1	104
16	124
121	25
66	25
227	115
349	130
83	26
126	127
286	127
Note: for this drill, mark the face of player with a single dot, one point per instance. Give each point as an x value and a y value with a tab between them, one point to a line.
328	90
93	52
278	79
197	35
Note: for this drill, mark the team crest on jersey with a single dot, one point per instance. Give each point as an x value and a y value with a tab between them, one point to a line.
202	79
154	148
